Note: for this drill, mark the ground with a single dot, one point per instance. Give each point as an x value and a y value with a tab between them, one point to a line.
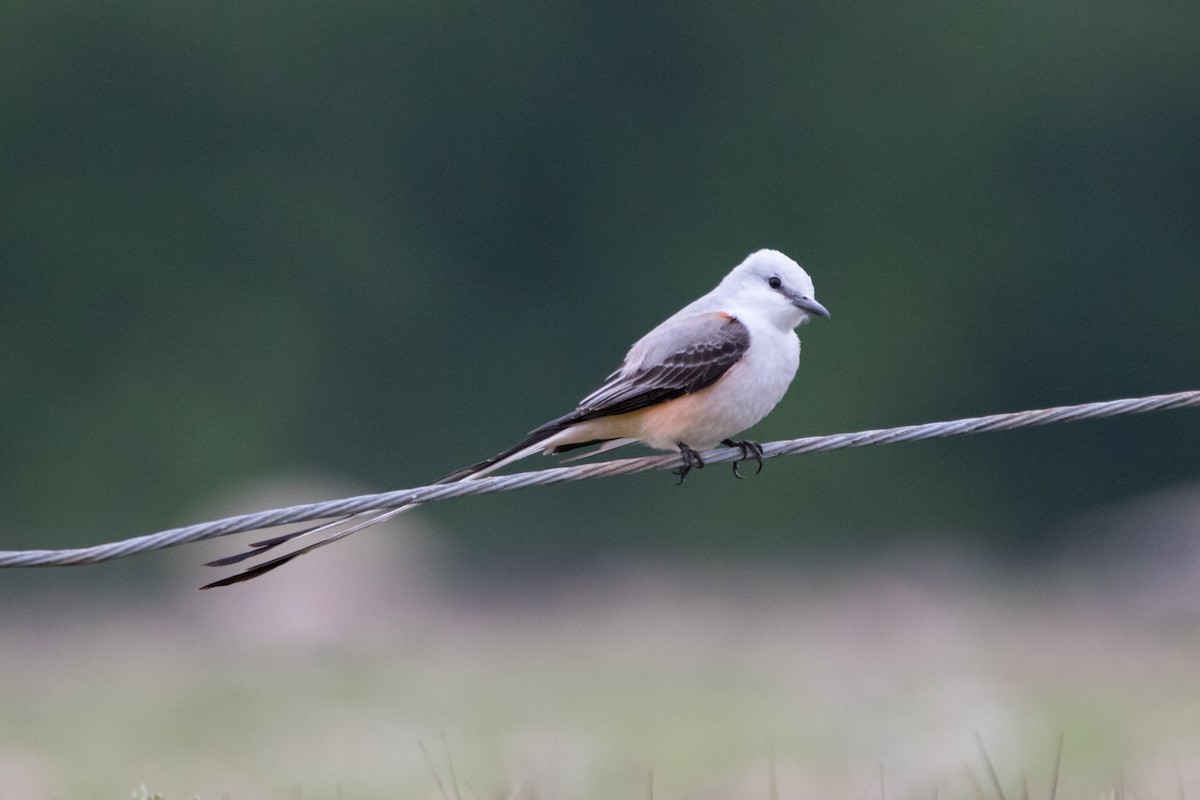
364	672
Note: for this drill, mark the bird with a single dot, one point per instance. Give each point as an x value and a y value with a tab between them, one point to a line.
711	370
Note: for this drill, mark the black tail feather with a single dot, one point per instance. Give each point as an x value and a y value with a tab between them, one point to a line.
258	548
545	432
265	545
253	572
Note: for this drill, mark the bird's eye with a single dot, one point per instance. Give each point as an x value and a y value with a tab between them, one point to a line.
774	282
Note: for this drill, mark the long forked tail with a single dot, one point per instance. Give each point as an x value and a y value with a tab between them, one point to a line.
527	447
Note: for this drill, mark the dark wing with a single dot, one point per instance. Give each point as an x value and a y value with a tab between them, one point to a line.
680	358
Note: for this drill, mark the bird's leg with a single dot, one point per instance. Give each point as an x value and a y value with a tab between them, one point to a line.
749	450
690	459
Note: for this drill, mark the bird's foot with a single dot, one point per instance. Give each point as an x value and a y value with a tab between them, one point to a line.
749	450
690	459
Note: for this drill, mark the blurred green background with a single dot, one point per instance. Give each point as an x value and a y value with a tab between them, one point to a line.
378	241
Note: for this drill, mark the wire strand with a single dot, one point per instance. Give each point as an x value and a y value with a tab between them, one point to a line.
603	469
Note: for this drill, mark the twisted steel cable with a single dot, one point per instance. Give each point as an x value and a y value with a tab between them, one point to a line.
522	480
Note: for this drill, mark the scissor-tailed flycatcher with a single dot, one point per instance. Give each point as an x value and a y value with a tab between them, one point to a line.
713	369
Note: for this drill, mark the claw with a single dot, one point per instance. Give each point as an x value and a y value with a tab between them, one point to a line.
748	450
691	459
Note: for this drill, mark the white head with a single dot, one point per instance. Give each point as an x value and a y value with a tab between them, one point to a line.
774	286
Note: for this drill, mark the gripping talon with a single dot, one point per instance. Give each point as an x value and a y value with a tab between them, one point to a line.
748	450
691	459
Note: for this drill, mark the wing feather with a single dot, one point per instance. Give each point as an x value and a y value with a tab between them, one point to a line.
681	358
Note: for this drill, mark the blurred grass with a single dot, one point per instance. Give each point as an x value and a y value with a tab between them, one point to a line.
329	680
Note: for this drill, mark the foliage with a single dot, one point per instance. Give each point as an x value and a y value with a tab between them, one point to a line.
383	239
